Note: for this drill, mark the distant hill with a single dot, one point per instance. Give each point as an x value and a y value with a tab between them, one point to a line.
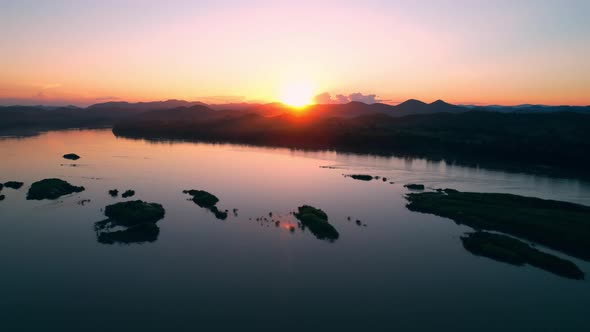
109	113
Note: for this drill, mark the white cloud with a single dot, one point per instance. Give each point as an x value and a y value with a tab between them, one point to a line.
326	98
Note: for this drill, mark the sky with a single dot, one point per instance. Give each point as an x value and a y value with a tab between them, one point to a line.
462	51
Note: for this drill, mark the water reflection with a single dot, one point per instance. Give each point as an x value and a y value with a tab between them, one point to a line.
108	232
510	250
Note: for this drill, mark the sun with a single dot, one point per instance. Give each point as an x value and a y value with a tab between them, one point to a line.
297	94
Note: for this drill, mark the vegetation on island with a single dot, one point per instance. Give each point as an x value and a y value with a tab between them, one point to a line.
207	201
513	251
562	226
51	189
549	143
132	213
316	221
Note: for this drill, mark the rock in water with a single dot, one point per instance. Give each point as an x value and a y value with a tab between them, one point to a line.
71	156
128	193
12	185
414	186
51	189
360	177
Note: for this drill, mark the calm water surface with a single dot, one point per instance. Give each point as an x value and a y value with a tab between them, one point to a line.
403	270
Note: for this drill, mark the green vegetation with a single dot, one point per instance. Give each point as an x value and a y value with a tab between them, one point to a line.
208	201
549	143
510	250
317	222
71	156
114	192
559	225
128	193
134	212
413	186
51	189
12	185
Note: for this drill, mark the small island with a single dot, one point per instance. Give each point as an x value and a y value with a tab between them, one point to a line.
413	186
136	218
317	221
51	189
207	201
360	177
71	156
127	193
12	185
134	212
559	225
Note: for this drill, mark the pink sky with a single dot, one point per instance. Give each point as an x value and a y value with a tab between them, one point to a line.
459	51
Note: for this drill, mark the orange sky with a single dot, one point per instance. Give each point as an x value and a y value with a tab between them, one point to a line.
226	51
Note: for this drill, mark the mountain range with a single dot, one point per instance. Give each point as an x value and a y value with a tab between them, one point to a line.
108	113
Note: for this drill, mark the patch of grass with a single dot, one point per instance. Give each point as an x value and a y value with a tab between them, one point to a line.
51	189
317	222
559	225
512	251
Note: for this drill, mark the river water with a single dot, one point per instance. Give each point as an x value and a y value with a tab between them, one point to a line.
397	270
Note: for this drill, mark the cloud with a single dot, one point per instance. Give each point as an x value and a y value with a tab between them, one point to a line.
342	99
367	99
326	98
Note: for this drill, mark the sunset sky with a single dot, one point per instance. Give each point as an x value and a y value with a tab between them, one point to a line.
470	51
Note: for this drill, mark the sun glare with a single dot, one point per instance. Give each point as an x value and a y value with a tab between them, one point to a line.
297	94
